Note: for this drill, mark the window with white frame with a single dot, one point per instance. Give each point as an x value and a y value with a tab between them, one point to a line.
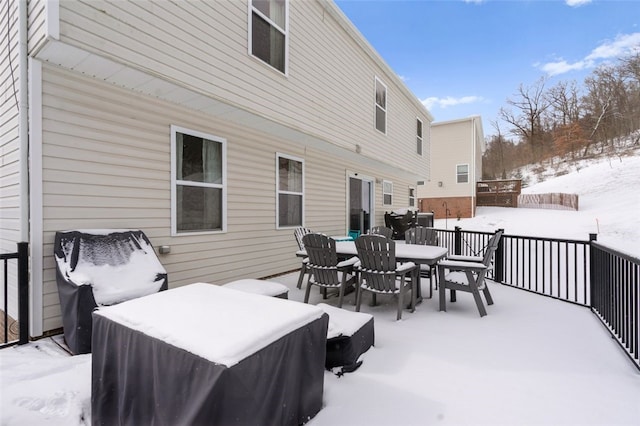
290	191
419	136
268	32
198	176
412	196
462	173
381	106
387	192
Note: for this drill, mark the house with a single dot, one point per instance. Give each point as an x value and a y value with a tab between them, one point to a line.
216	127
456	165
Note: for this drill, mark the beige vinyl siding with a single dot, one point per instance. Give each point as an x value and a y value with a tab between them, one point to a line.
36	12
327	93
9	135
10	232
453	144
106	164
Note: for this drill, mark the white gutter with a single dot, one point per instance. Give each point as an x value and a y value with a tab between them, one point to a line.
23	126
473	162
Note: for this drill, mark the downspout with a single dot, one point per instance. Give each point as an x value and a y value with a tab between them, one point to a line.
23	126
473	162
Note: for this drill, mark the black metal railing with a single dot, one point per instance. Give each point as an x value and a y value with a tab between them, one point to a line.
615	295
585	273
22	295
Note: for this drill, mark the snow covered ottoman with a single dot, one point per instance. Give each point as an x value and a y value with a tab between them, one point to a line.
203	354
100	267
350	334
266	288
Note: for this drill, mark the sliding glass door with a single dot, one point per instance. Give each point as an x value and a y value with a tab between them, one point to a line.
360	203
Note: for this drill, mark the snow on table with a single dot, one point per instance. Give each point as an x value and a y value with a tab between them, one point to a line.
194	316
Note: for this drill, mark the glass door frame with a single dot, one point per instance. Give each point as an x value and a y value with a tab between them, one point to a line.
372	193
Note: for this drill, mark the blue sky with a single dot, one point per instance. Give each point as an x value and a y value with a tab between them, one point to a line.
466	57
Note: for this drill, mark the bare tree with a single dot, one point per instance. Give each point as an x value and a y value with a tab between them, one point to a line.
529	104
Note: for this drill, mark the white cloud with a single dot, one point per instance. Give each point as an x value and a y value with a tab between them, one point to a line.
577	3
621	46
450	101
474	1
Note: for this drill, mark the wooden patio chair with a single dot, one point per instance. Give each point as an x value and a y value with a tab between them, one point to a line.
381	230
379	273
468	276
299	233
326	271
426	236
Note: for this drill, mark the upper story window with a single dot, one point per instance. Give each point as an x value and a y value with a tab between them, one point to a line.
462	173
412	196
419	136
387	192
198	182
381	106
268	32
289	190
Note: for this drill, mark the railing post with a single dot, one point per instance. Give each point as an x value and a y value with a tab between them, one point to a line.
592	270
23	292
498	270
457	241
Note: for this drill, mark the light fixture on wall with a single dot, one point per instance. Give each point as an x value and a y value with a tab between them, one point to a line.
440	183
358	149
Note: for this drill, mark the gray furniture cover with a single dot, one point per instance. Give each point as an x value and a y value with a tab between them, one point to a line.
108	253
142	380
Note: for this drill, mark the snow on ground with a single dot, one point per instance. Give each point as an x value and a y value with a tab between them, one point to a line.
609	205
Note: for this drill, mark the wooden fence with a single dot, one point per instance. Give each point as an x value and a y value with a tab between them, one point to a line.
499	193
555	201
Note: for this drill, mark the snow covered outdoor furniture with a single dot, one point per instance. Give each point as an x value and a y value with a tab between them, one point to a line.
350	334
467	273
204	354
99	268
266	288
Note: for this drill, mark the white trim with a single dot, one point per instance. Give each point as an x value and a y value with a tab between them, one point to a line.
35	198
284	31
277	215
414	196
52	20
387	193
376	106
468	174
174	181
372	197
421	136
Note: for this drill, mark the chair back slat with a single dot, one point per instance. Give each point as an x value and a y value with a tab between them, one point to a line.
381	230
299	233
377	256
421	235
492	246
323	259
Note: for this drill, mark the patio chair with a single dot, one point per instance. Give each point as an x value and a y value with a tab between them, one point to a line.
379	273
381	230
426	236
326	271
101	267
299	233
468	276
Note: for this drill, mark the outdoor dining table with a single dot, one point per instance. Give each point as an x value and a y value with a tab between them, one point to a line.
419	254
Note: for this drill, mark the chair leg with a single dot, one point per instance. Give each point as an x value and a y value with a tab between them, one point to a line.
400	301
358	294
343	284
303	270
442	291
487	295
307	291
478	299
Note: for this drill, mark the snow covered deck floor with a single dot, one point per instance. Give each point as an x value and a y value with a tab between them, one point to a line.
531	360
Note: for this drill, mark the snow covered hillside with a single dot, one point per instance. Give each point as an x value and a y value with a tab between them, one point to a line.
609	205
